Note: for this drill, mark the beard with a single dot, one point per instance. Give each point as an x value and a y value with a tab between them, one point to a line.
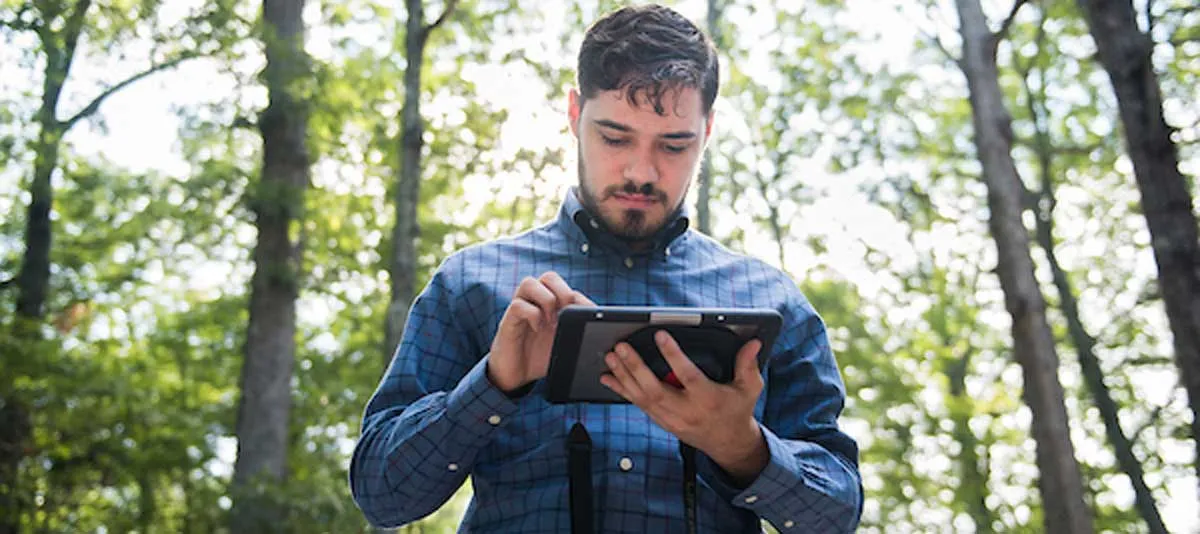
633	225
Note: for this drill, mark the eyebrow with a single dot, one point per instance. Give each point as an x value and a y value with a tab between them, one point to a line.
605	123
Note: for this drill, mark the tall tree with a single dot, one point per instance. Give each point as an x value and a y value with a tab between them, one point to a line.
278	202
704	185
1060	480
1043	202
58	26
402	266
1125	52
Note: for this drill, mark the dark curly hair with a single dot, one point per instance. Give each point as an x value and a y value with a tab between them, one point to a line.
647	51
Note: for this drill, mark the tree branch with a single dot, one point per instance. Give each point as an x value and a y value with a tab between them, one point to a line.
449	10
74	24
937	43
243	122
1003	31
1150	18
1154	415
95	104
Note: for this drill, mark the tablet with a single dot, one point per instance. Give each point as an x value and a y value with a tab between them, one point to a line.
711	337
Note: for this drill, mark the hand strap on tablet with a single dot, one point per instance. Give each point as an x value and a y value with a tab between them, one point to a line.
579	469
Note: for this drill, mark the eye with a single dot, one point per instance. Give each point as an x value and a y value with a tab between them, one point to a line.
675	149
612	141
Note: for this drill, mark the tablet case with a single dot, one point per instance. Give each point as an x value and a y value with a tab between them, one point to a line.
710	337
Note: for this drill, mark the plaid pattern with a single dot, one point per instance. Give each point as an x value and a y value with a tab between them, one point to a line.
435	418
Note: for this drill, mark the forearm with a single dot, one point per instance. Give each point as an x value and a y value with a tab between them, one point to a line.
409	462
804	487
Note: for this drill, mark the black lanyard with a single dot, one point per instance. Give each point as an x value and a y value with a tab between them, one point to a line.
579	470
688	453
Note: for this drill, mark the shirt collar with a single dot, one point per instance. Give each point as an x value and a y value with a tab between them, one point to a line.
577	221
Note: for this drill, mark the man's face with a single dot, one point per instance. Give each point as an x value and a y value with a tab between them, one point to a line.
634	164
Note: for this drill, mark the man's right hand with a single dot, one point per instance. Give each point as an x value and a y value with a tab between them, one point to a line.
521	349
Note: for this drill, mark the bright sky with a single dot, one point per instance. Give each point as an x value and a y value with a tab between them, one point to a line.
141	135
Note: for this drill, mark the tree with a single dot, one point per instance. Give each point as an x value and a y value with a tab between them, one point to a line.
1125	52
59	27
1043	202
278	202
402	265
704	180
1033	342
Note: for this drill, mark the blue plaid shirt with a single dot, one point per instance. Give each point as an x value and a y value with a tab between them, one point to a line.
436	418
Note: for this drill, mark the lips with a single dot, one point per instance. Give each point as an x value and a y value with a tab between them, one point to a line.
638	201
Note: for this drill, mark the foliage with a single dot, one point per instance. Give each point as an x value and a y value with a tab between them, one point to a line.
134	385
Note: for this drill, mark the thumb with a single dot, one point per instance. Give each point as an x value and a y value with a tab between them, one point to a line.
747	376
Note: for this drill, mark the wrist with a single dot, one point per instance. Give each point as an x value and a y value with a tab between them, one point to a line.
503	383
744	459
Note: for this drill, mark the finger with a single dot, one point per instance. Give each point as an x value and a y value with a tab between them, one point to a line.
563	293
685	370
523	310
653	389
532	290
747	376
582	299
611	382
630	388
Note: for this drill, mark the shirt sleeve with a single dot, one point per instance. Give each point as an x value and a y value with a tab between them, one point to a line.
811	482
430	416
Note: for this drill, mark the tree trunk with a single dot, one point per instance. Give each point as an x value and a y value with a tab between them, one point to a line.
402	268
33	279
1060	481
704	195
264	410
1093	375
1124	51
1083	341
704	189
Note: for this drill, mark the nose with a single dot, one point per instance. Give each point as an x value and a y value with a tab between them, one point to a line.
641	169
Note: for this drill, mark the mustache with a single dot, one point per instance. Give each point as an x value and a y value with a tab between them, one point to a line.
630	188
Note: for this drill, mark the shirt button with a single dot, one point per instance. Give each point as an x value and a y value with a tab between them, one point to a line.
667	251
494	420
752	499
626	464
789	524
584	248
594	224
629	262
452	467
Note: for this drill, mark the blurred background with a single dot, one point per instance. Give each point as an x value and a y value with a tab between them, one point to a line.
215	216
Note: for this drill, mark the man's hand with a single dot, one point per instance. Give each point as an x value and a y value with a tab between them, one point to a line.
717	419
521	349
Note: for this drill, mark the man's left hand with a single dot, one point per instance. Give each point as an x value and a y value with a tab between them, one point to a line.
717	419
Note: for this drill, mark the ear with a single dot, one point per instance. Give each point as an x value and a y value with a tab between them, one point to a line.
574	109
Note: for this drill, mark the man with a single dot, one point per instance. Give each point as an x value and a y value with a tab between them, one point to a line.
463	394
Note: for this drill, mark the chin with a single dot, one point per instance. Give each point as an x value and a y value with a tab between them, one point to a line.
633	230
